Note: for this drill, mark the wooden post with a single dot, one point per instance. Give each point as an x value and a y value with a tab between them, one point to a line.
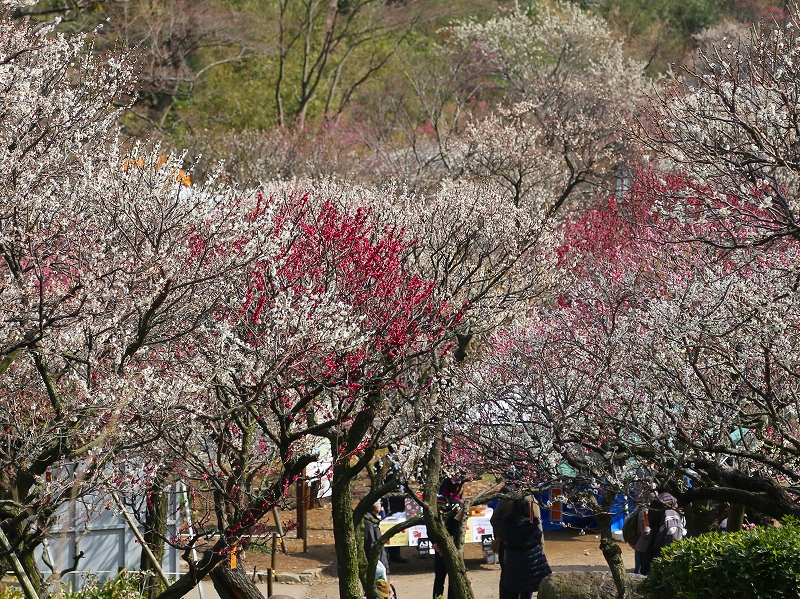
271	569
279	526
302	510
274	551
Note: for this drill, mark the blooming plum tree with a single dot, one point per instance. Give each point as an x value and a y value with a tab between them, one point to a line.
726	324
570	90
108	263
549	398
727	127
306	347
565	90
730	124
658	360
483	257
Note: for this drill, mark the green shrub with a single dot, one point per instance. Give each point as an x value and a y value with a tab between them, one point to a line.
763	562
124	586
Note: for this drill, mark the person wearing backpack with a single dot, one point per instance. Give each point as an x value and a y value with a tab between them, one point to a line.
666	526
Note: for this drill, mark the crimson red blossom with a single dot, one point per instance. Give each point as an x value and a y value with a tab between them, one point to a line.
306	346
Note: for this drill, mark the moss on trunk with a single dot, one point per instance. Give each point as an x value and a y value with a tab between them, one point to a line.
344	533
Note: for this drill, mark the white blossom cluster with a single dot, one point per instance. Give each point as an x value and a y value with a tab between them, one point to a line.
673	356
109	263
731	125
572	90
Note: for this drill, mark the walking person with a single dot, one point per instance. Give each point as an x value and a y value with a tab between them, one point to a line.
525	565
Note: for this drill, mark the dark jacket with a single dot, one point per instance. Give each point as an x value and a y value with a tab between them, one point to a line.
656	513
504	508
372	532
525	563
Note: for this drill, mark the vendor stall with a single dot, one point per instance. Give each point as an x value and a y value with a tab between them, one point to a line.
478	530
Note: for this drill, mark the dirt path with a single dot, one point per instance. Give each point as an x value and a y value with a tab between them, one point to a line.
565	550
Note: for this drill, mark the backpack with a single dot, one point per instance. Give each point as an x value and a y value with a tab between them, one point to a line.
630	528
671	529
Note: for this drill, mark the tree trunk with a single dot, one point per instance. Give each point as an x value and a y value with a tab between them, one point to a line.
450	550
449	547
155	529
234	583
613	554
34	574
735	517
344	533
611	551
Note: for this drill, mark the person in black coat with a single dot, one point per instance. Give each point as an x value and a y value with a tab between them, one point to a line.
503	508
372	532
656	513
525	563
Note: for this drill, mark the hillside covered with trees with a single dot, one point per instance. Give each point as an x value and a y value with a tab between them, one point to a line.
550	241
319	87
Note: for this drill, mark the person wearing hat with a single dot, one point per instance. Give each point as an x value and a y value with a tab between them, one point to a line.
663	506
384	589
